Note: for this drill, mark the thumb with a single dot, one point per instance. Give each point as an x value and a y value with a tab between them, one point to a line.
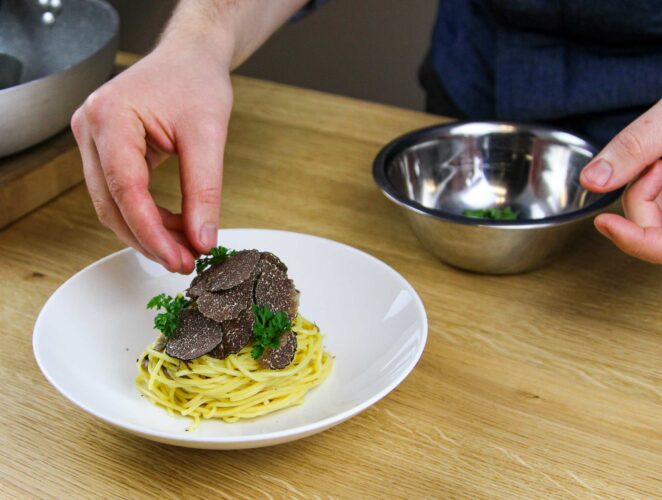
627	155
200	151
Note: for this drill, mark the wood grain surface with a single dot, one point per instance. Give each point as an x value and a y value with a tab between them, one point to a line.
541	385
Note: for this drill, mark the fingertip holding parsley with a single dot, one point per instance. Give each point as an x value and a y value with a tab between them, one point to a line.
235	347
506	213
216	257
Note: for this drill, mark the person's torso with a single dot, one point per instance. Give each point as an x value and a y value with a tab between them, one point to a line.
550	60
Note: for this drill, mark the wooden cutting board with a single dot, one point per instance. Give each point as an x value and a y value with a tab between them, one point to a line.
36	176
33	177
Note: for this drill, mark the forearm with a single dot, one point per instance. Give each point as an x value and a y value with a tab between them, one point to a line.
233	28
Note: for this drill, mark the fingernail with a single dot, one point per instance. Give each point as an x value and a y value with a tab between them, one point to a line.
208	235
169	262
187	262
598	172
603	231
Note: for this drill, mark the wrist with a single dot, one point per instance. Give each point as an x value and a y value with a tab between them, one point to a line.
229	30
200	31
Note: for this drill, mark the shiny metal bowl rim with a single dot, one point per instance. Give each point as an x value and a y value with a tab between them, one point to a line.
116	25
419	136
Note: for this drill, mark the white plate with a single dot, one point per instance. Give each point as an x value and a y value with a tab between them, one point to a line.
92	329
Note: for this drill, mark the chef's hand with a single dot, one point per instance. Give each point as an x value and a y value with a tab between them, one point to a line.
177	100
633	155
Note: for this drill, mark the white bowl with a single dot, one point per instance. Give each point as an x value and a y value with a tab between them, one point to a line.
90	332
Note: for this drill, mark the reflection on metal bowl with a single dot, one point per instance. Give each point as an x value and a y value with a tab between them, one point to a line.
438	173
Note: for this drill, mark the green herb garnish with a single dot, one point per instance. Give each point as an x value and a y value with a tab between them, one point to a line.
168	321
216	256
506	213
267	329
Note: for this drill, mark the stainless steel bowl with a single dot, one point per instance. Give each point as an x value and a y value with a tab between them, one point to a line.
437	173
56	60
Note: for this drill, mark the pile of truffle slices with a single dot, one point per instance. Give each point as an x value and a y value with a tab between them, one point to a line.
220	320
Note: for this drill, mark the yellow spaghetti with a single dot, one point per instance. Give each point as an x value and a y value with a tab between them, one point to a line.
237	387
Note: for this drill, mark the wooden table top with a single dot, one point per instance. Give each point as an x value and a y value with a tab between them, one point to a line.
537	385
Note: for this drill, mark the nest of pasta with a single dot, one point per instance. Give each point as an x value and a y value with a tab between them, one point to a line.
235	347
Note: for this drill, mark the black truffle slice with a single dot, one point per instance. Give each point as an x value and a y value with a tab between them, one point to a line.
281	356
236	334
194	337
198	285
270	257
228	304
275	290
266	266
234	271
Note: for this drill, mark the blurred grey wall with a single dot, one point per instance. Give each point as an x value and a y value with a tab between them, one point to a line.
370	49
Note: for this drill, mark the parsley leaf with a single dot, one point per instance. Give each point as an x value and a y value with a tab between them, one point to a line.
216	256
506	213
168	321
267	329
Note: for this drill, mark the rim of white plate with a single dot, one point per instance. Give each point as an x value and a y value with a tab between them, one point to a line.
267	436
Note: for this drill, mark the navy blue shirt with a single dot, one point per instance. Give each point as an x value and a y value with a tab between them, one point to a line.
590	66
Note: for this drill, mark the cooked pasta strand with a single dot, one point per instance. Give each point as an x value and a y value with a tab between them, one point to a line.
237	387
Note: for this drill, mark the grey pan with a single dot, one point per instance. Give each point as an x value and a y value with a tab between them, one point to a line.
48	68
